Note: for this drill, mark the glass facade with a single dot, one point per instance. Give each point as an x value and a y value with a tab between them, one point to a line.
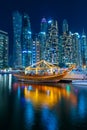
51	51
84	50
66	52
70	49
42	38
17	30
76	50
36	50
4	43
26	42
65	26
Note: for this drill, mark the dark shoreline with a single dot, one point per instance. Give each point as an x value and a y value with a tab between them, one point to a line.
65	81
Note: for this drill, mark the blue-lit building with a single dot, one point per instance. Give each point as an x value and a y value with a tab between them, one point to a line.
17	31
42	38
36	53
84	50
26	42
69	47
51	50
65	26
66	49
43	25
76	50
4	49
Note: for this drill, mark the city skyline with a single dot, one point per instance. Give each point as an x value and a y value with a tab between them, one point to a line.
48	44
58	49
73	11
37	10
60	28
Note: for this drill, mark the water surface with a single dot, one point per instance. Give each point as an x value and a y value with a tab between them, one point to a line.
25	106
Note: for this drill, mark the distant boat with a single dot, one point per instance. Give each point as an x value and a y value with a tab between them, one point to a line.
42	72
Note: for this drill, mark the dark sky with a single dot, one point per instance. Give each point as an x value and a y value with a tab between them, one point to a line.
75	11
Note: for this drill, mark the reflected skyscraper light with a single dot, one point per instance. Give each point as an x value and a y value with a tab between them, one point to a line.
19	91
29	115
10	81
81	106
49	119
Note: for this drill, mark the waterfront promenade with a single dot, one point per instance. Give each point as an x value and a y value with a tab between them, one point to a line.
75	76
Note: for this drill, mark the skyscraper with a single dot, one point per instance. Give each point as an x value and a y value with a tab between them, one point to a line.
66	49
4	43
42	38
17	31
84	49
26	42
65	45
51	51
76	50
65	26
43	25
36	50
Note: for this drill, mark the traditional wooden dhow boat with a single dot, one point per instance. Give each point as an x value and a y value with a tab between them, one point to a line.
42	72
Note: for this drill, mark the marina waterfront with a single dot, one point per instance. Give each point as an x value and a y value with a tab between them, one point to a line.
25	106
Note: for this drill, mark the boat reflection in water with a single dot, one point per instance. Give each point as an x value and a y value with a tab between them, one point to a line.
25	106
43	104
42	95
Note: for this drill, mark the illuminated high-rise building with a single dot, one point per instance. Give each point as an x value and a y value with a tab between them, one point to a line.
17	31
4	43
36	50
66	49
70	52
84	49
65	26
43	25
42	38
65	46
26	42
76	50
51	51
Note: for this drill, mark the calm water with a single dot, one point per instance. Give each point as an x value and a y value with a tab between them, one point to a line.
41	107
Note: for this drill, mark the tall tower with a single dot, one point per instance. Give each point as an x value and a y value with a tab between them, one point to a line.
42	37
26	42
65	45
43	25
65	26
17	30
36	50
66	49
51	52
84	49
4	41
76	50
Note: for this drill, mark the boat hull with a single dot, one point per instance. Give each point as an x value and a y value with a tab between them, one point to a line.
39	78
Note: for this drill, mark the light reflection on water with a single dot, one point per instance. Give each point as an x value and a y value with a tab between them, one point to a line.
29	107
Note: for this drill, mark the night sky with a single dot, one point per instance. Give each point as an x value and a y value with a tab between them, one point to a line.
75	11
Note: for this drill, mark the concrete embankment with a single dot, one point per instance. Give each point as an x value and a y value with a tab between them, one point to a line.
72	76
